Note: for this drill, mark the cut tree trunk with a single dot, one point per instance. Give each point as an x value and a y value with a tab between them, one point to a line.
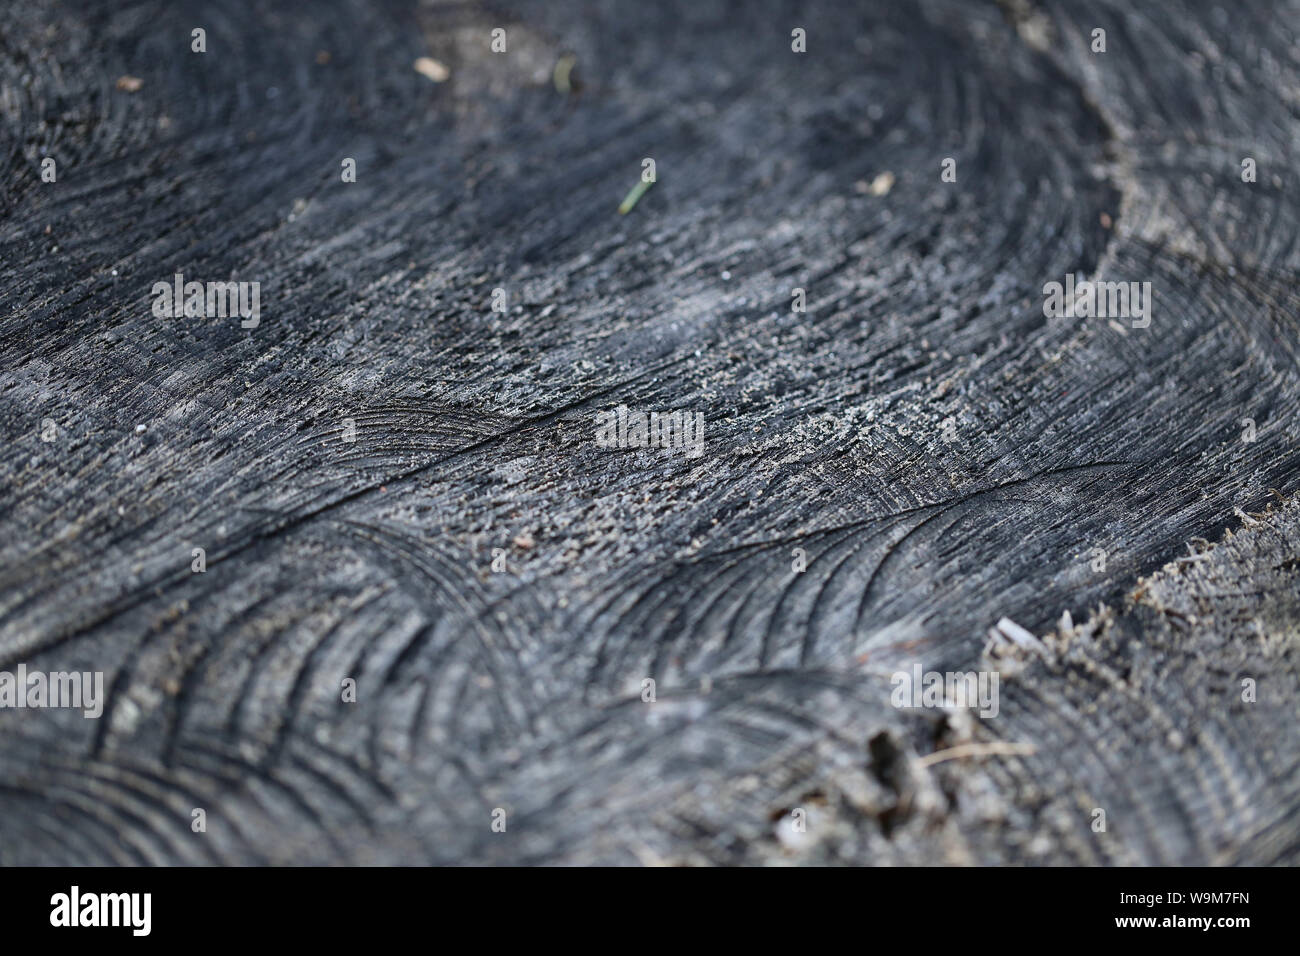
397	485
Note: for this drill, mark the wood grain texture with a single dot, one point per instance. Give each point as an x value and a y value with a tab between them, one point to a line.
825	431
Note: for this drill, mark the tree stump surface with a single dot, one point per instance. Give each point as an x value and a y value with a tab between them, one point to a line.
942	454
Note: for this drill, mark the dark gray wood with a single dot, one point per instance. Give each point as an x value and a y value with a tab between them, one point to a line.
476	430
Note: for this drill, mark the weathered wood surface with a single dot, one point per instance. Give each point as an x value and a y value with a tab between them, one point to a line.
475	430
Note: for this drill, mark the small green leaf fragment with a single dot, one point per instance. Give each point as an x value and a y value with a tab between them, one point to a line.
633	197
560	75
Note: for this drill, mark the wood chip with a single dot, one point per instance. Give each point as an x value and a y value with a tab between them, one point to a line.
428	66
977	750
